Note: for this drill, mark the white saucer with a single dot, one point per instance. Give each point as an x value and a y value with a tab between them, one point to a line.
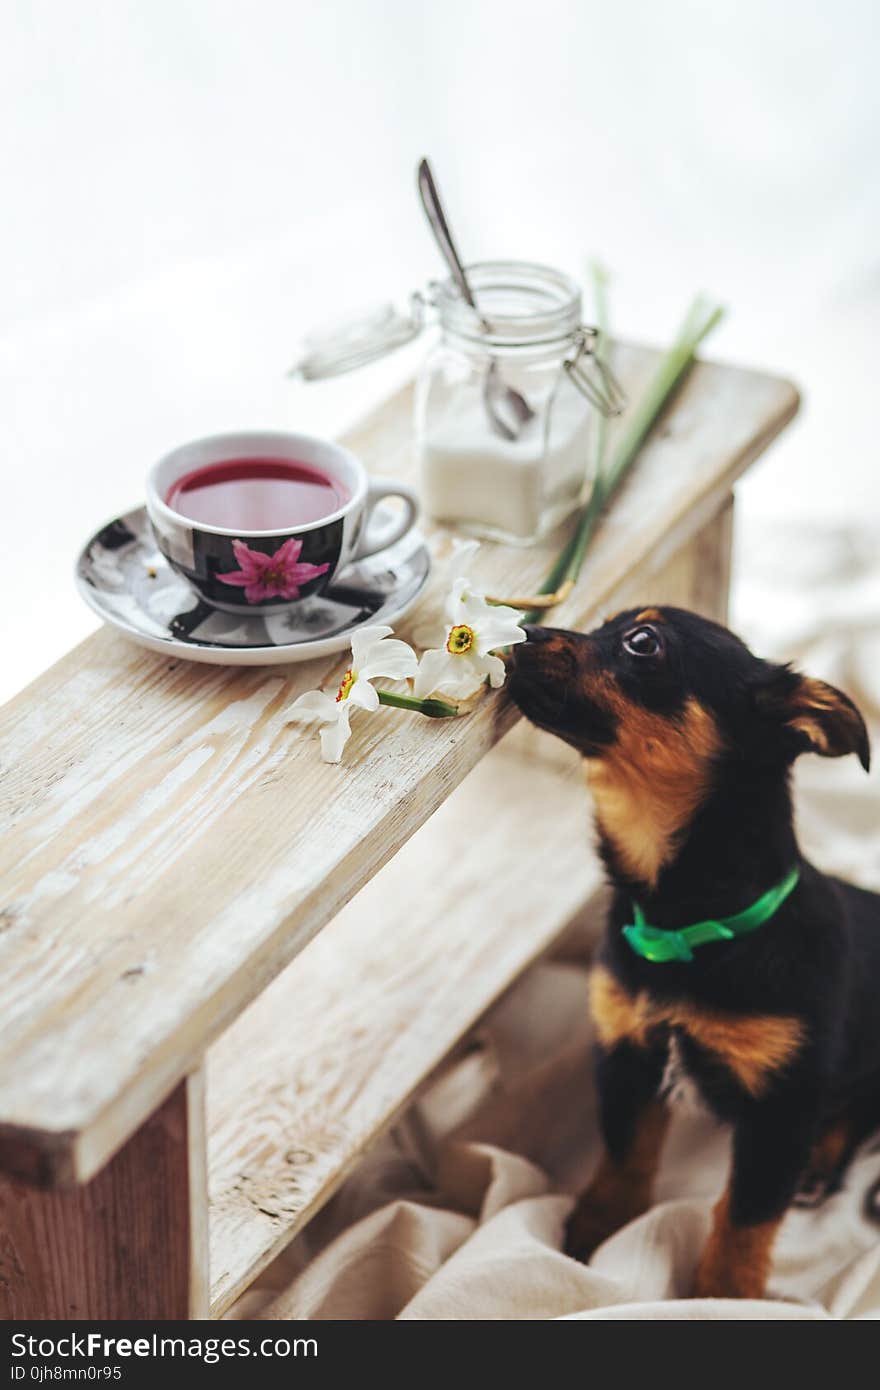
124	578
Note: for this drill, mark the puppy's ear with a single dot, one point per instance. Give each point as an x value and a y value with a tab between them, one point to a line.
814	716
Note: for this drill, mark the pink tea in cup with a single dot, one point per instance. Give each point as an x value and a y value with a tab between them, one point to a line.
257	494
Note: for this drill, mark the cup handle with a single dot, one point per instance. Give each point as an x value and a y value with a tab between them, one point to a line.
377	488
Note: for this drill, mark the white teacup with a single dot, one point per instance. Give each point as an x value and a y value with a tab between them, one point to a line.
246	571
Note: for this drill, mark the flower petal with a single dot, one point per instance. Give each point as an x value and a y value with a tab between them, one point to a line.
243	553
288	553
495	624
364	639
335	736
494	634
473	608
252	562
301	574
432	667
315	704
256	592
237	578
363	695
443	672
460	583
460	594
494	668
391	658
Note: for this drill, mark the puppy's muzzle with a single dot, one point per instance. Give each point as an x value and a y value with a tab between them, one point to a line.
541	672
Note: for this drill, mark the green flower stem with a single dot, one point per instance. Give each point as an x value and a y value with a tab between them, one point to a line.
590	515
571	557
434	709
599	277
701	318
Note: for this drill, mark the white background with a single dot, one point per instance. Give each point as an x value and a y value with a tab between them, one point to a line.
188	185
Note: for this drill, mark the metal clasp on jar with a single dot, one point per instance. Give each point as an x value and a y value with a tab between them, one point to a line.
593	377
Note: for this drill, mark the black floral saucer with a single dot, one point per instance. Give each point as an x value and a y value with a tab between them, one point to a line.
124	578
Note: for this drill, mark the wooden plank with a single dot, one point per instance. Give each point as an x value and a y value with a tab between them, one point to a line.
132	1243
309	1076
305	1080
170	841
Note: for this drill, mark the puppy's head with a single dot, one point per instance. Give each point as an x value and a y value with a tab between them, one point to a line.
659	700
651	674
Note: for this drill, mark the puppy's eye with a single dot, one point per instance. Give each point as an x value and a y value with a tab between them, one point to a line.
641	641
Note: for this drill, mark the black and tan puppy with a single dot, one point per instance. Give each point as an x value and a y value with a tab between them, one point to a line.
728	959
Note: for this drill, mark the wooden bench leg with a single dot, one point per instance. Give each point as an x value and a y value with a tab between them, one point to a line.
696	575
711	573
132	1243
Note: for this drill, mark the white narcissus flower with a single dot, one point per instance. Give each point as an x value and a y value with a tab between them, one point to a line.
432	628
475	630
372	655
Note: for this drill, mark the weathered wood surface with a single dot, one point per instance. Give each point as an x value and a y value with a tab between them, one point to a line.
132	1243
301	1085
323	1062
170	841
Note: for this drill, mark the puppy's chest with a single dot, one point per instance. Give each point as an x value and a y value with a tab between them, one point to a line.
679	1086
700	1045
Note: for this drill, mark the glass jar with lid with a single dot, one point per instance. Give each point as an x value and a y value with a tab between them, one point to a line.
505	399
483	466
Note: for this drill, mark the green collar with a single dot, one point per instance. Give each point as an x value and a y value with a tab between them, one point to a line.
660	945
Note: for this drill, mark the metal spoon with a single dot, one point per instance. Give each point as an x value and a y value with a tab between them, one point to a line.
497	397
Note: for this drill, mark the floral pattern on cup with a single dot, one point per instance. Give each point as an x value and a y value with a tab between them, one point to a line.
279	575
266	571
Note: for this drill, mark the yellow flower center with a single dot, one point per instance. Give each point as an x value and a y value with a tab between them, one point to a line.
345	685
460	640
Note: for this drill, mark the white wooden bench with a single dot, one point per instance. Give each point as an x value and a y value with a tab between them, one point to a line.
171	847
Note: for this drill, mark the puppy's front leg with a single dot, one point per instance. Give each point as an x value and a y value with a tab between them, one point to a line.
771	1148
633	1122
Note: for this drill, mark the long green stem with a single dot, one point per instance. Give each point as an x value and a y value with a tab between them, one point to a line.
584	531
434	709
670	371
599	277
699	321
567	556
